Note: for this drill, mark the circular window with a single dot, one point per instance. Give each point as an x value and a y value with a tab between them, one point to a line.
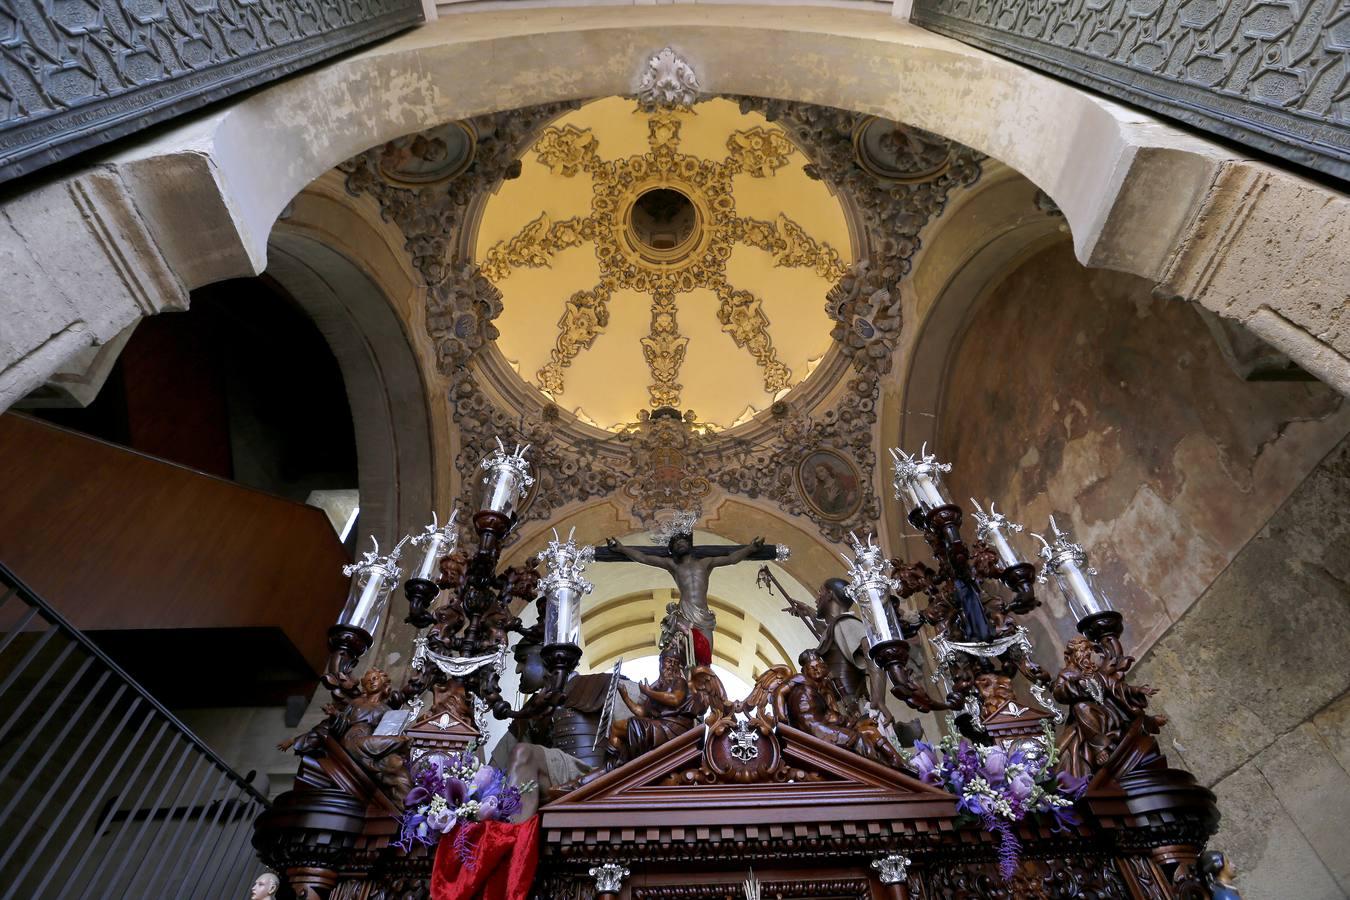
663	223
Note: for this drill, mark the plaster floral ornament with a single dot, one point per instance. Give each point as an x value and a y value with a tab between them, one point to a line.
668	80
452	795
1000	788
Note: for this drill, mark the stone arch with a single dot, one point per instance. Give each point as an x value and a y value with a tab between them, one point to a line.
981	237
387	395
1080	149
197	204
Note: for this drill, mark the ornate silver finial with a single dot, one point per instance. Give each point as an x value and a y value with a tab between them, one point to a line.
868	568
986	523
609	877
566	563
918	476
894	868
751	886
990	528
682	522
1060	553
371	560
513	462
667	81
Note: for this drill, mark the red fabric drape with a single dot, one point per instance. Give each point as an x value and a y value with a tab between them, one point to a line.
702	648
504	859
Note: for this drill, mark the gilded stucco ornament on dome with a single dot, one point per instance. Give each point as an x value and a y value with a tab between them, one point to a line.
663	223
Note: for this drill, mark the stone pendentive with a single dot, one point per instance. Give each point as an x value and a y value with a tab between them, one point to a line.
816	462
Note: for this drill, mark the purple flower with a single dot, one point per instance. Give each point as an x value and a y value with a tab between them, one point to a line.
485	782
416	797
1065	816
1021	785
455	792
1071	786
973	804
995	764
441	820
925	762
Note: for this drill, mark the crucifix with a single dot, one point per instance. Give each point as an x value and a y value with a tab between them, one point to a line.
690	566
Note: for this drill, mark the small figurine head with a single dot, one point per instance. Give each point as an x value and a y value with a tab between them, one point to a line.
265	887
375	681
672	663
530	667
832	598
813	666
1079	654
681	545
1216	868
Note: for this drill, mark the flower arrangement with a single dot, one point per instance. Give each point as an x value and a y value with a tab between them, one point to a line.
452	790
1000	787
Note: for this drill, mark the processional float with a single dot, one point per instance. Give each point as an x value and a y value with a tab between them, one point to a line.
1042	786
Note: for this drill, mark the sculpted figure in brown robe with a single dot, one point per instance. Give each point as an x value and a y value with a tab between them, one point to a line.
809	702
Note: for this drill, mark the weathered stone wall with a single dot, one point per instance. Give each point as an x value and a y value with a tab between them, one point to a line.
1256	682
1076	392
1218	511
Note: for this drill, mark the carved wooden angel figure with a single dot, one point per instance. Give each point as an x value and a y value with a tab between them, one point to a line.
352	725
1101	704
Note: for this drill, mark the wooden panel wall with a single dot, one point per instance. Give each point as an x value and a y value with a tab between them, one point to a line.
120	541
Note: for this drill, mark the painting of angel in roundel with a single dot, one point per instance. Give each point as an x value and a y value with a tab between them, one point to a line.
829	483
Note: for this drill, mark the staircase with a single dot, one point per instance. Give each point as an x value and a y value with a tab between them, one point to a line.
103	793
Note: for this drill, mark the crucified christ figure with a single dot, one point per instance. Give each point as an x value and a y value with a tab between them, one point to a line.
690	566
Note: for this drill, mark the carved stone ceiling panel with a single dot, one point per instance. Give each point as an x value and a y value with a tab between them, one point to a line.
665	258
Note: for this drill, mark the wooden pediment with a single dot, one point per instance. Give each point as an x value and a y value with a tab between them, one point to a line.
650	800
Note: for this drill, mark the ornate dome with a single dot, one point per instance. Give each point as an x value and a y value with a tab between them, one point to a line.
663	259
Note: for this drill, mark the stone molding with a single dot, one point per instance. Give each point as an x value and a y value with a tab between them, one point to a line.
1271	75
77	76
1132	190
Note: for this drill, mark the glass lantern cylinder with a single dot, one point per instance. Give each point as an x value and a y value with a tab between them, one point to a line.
562	614
507	481
368	596
435	542
1068	563
563	587
872	587
373	580
1076	584
877	610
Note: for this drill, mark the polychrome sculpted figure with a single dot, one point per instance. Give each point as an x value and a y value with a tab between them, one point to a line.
1102	705
843	645
690	567
265	887
559	747
809	702
668	709
1219	875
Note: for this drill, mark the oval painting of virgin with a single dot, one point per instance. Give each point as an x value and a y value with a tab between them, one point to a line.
829	483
